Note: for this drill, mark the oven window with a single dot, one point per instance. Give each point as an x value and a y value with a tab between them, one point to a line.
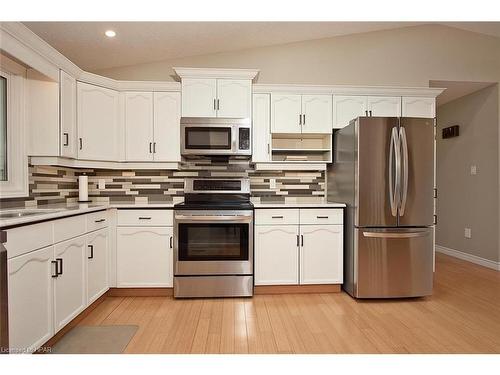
208	138
213	242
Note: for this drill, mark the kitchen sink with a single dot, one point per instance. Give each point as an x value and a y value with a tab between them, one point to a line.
11	214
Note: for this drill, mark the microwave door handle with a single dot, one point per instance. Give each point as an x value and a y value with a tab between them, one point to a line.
234	136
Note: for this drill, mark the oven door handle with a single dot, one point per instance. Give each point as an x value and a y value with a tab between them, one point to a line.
213	218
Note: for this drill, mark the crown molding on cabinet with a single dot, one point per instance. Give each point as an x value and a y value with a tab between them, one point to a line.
216	73
73	163
348	90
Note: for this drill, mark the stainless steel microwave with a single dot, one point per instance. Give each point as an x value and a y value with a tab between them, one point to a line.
216	136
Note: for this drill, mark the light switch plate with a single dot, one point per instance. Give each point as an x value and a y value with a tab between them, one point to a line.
473	170
101	185
272	183
467	233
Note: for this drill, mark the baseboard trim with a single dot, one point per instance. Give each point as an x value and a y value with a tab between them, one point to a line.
54	339
140	292
291	289
468	257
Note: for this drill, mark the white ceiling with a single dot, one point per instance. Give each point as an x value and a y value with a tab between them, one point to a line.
84	43
457	89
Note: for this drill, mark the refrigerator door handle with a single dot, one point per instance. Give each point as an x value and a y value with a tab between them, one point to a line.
404	165
381	234
394	158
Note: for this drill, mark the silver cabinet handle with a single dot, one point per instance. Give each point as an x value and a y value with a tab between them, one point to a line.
215	104
300	119
218	104
81	143
55	268
66	139
302	240
276	217
171	242
322	217
150	147
298	244
154	147
304	119
59	269
144	217
91	247
99	221
370	113
366	113
380	234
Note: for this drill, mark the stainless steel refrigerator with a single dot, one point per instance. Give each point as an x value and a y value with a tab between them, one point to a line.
384	171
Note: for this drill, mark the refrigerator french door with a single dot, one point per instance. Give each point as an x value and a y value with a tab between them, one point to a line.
384	172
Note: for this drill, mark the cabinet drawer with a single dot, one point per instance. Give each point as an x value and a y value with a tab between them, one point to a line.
145	217
22	240
276	216
97	220
69	227
321	216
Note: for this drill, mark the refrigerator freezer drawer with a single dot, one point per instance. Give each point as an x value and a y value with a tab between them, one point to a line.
393	262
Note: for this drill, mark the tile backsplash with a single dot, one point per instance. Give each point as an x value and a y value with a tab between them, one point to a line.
48	184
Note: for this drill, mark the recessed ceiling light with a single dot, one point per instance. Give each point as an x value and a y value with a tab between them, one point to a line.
110	33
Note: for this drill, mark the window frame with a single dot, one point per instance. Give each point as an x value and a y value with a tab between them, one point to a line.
17	159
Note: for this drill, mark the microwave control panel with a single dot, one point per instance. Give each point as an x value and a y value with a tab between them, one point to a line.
244	139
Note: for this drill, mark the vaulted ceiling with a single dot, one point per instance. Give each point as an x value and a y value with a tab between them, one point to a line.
140	42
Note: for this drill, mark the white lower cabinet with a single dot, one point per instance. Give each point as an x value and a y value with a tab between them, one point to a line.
276	255
70	283
321	255
97	264
144	257
302	251
31	300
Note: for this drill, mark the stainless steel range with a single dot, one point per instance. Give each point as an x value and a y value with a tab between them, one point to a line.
213	239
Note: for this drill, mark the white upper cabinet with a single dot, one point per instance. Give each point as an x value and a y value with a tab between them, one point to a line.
99	132
31	299
347	108
321	254
70	283
384	106
261	128
418	107
199	97
316	114
139	126
97	264
286	111
167	115
234	98
67	114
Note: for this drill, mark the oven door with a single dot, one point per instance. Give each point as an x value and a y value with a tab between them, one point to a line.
213	243
208	139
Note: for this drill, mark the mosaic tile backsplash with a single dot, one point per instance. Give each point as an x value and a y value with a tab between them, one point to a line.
49	184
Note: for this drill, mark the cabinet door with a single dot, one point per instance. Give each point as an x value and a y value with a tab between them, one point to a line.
167	117
98	122
418	107
317	113
68	137
139	126
276	255
198	97
144	256
70	284
234	98
261	128
285	113
347	108
321	254
384	106
97	264
31	299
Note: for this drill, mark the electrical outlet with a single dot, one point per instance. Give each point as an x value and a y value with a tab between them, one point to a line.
272	183
467	233
473	170
101	184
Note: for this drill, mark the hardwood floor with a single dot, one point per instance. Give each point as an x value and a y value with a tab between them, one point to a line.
461	317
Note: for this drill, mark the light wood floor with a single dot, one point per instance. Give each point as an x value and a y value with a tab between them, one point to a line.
463	316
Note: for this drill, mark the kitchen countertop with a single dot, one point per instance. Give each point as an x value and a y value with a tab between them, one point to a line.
299	205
